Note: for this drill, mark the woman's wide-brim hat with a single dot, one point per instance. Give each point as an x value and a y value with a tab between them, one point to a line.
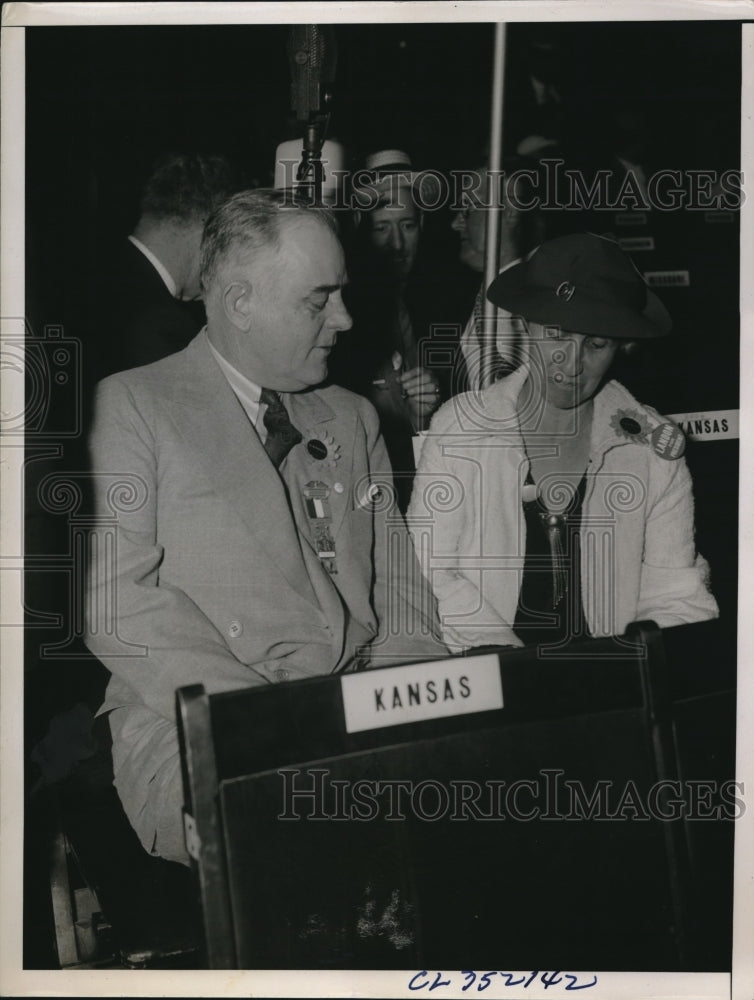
389	175
582	283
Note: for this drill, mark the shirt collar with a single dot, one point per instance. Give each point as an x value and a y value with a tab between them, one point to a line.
157	265
248	392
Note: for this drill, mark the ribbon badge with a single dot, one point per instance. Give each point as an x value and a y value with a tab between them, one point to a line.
316	496
323	450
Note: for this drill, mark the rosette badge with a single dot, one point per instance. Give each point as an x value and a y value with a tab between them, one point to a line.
323	450
630	424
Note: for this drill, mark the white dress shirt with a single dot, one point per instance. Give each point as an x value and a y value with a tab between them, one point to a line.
247	392
157	265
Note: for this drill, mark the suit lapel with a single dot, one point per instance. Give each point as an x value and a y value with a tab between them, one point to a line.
226	446
319	425
322	429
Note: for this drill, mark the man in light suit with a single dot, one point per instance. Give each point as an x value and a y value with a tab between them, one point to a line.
251	530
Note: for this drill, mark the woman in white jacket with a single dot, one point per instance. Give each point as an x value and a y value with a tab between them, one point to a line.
552	505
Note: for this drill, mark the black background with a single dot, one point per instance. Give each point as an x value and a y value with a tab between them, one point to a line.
102	102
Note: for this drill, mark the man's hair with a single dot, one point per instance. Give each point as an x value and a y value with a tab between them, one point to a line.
251	221
188	185
528	184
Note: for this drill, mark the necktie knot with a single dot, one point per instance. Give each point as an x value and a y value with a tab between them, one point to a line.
281	434
270	398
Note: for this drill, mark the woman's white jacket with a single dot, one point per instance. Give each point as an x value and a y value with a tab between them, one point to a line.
638	557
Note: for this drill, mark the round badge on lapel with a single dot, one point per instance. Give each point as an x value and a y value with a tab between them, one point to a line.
668	441
322	449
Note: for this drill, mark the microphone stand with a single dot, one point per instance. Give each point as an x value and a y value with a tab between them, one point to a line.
312	57
492	239
310	174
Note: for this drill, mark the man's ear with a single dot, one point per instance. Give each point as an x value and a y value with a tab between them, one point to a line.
237	303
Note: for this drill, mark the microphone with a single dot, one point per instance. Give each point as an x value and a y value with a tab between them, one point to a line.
312	56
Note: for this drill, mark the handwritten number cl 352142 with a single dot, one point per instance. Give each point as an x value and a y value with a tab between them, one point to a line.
482	980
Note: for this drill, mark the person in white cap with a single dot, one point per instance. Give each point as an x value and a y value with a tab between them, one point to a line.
384	359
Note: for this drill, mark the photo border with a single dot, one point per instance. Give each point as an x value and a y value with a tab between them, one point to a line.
14	981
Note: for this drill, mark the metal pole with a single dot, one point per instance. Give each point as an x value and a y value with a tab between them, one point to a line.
492	240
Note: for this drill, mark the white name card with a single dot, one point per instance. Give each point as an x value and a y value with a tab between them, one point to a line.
667	279
633	243
631	219
709	425
394	696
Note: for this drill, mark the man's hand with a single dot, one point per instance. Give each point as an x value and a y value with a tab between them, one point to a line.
421	390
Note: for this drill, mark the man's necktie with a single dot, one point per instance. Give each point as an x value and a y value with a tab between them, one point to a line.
281	434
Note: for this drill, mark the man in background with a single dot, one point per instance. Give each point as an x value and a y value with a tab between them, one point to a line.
394	306
147	291
522	228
